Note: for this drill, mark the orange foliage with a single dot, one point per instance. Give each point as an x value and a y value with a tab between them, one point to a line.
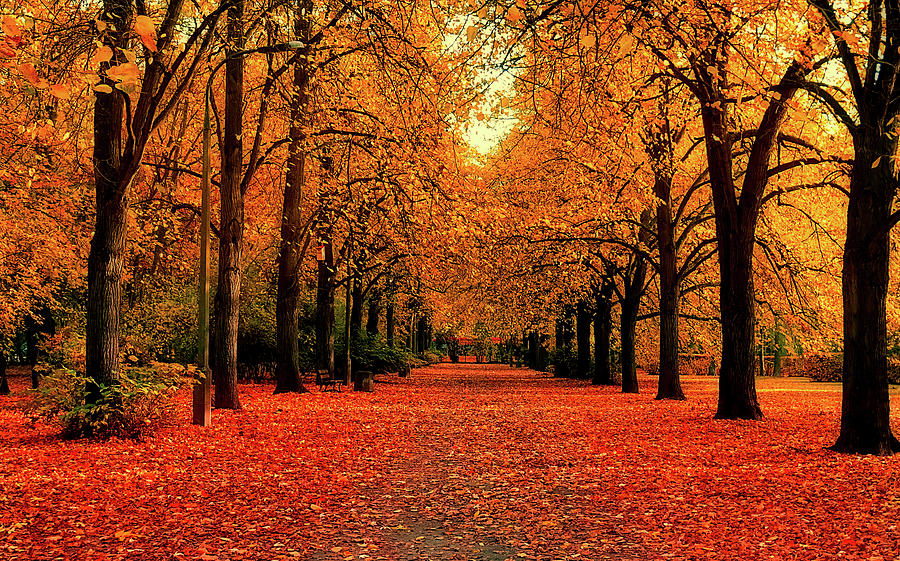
459	462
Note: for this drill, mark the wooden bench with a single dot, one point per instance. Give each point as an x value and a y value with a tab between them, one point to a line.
325	380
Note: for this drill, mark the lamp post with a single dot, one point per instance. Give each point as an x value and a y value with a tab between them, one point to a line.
202	389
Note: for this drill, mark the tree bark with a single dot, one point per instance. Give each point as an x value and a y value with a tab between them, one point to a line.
374	314
583	340
325	307
628	323
865	404
389	323
737	375
106	259
287	306
231	221
669	295
633	290
356	311
534	347
4	386
602	334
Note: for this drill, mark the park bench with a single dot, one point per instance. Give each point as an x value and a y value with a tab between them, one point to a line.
325	380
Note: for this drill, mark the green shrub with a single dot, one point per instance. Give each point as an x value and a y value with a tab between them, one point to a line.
432	357
135	407
371	353
564	361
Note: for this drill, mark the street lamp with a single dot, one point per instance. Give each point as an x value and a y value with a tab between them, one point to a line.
202	390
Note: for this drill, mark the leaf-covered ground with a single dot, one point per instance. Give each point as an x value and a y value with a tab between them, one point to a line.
459	462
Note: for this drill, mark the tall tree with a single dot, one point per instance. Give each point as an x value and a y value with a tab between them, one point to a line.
697	48
120	138
287	371
231	218
875	94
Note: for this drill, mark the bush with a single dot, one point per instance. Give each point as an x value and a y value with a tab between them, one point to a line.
136	406
565	362
432	357
371	353
829	367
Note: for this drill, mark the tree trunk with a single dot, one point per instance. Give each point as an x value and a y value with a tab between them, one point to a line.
533	350
602	334
669	293
374	313
4	386
325	308
356	311
287	306
736	220
231	222
422	334
389	324
583	338
627	327
31	351
106	259
737	380
865	404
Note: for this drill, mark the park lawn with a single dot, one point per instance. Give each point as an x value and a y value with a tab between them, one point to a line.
459	462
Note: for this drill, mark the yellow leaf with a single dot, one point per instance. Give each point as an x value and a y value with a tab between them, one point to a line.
103	88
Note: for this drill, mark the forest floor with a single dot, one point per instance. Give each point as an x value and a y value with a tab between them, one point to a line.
459	462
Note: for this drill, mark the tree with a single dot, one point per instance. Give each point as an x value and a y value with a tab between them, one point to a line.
293	237
231	218
872	73
120	138
697	48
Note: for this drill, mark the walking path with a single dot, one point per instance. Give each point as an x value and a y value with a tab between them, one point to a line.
458	462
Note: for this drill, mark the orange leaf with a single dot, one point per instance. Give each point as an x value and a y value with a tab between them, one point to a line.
127	72
61	91
103	54
145	29
11	29
30	74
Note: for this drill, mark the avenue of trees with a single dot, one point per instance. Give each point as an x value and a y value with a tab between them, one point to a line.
672	178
